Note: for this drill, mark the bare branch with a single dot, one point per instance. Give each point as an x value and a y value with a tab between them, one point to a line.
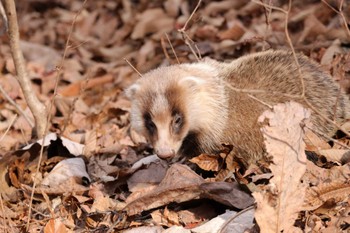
133	67
340	12
191	16
188	41
302	96
327	137
38	109
162	42
172	48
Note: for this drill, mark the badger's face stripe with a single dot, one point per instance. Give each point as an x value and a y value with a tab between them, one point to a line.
163	115
150	126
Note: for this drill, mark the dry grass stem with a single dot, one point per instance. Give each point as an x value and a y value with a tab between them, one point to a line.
172	48
188	41
260	101
256	91
59	71
164	49
133	67
327	137
191	16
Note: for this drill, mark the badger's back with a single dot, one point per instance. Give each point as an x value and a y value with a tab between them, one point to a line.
275	75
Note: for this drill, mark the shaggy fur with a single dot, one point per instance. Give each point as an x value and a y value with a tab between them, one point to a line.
187	109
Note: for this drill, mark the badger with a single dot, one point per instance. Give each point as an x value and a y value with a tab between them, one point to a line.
187	109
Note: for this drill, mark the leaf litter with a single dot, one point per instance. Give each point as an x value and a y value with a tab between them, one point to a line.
98	175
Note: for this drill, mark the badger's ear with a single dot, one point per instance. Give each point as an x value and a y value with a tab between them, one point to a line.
192	81
131	91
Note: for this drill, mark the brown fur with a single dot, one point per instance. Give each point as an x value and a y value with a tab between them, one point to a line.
214	114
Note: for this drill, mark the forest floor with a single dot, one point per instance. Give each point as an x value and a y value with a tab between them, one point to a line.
95	174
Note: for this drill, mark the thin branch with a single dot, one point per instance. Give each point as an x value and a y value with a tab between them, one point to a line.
188	41
133	67
260	101
268	13
270	6
38	109
293	50
302	96
191	16
257	91
340	12
172	48
59	71
162	42
327	137
17	107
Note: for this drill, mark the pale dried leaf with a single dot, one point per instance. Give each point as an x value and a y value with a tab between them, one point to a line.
64	170
285	193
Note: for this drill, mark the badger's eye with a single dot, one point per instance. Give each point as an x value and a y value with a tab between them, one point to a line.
177	122
150	126
178	119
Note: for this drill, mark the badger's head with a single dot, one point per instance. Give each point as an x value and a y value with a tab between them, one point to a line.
170	106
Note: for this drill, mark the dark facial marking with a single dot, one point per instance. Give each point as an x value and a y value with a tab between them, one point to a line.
177	121
150	126
190	145
176	97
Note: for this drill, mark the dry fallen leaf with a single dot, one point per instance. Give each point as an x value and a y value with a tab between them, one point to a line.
226	193
55	226
325	185
179	184
206	162
66	169
284	195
